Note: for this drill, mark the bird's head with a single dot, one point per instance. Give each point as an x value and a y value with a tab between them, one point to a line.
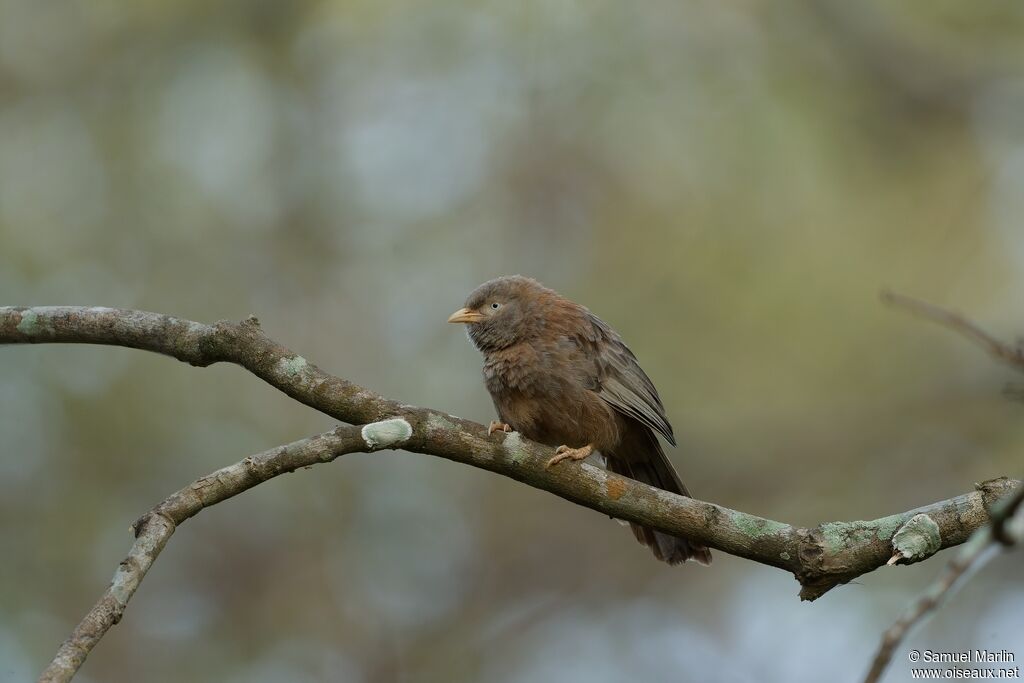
502	312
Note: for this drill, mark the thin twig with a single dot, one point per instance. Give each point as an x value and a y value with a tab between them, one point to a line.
974	553
154	529
1013	355
970	557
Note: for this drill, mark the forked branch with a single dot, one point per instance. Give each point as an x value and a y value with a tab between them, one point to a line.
820	558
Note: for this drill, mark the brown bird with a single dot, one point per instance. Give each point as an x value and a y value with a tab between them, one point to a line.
560	375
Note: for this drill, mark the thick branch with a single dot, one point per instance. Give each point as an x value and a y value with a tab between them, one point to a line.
820	558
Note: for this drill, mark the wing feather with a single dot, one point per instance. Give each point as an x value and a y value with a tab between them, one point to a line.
623	384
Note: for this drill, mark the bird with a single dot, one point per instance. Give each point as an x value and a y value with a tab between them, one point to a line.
561	376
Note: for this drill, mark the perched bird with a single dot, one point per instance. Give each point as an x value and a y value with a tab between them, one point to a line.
560	375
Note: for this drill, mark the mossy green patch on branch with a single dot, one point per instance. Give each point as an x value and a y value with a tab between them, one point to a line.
918	538
386	433
436	422
513	445
293	365
837	535
28	323
887	526
755	527
36	322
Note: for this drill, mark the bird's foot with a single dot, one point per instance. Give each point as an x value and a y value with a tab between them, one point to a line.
496	426
566	453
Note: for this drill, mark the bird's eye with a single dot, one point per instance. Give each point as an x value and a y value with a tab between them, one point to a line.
495	305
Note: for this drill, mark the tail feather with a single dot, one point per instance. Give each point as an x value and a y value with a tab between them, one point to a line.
643	459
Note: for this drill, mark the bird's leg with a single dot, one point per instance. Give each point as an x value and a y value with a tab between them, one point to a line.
566	453
497	426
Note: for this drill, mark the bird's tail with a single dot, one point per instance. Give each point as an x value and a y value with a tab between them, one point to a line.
645	461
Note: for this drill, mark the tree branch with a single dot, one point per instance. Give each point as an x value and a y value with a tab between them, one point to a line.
996	533
1012	355
971	556
820	558
154	529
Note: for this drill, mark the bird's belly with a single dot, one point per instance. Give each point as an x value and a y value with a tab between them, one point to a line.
568	419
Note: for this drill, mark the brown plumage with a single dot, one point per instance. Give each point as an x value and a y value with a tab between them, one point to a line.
560	375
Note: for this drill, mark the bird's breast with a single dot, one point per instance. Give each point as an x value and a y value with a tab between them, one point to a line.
517	369
544	403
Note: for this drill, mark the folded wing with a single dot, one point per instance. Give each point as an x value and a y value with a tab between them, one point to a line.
623	384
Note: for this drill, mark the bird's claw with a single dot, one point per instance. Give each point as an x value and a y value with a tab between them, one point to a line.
566	453
497	426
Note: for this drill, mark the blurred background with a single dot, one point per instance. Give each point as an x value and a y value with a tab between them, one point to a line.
730	185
